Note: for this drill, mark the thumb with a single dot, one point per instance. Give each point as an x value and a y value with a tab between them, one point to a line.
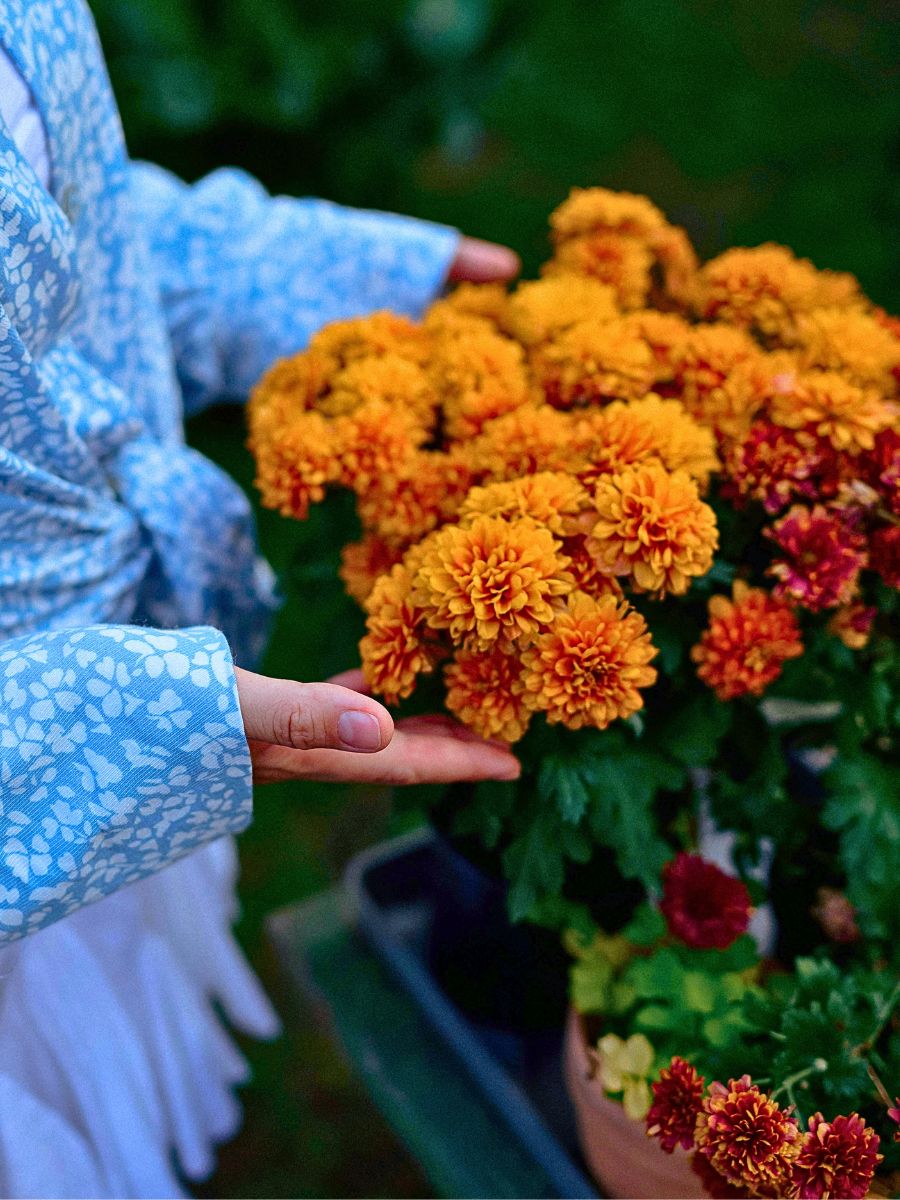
308	716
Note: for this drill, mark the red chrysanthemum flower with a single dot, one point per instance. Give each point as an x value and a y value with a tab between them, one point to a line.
747	642
822	555
747	1138
772	465
703	907
884	554
714	1184
837	1159
677	1098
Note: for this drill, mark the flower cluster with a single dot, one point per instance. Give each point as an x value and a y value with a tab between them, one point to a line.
744	1143
530	466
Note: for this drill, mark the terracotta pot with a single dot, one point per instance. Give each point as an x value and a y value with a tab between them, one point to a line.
625	1162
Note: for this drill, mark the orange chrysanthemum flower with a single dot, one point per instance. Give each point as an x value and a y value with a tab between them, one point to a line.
389	378
623	263
747	1138
423	493
362	562
591	210
621	435
372	336
588	576
478	377
828	405
763	289
290	386
484	691
593	362
663	332
525	441
294	462
553	499
485	300
491	579
376	440
396	648
653	527
749	639
850	341
589	666
540	309
719	376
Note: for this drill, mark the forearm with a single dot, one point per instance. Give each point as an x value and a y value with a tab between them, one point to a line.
247	278
121	750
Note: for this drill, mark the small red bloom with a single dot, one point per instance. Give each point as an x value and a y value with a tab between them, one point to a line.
837	1159
677	1097
894	1114
703	906
822	555
884	554
747	1138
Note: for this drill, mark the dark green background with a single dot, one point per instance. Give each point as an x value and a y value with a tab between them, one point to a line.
746	121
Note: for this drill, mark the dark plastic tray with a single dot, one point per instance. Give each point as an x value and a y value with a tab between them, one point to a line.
394	892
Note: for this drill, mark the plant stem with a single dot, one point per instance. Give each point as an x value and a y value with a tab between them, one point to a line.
883	1017
882	1091
787	1085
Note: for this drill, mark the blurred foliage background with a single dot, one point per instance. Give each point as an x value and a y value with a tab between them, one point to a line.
746	121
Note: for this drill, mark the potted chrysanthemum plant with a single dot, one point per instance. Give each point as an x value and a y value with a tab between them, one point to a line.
641	517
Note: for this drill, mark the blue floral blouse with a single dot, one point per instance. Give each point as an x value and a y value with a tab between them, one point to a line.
127	559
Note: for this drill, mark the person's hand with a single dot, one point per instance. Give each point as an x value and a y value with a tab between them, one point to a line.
334	733
483	262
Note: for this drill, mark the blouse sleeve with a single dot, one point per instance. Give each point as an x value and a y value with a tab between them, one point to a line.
247	278
121	749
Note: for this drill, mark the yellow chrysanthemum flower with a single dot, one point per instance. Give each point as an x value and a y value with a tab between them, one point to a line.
491	579
653	527
626	1067
588	667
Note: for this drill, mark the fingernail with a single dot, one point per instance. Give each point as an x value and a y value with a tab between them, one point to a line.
359	731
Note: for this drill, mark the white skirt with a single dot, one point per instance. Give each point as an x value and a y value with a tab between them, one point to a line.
117	1075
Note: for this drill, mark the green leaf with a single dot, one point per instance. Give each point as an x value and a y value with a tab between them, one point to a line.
534	864
646	926
693	731
621	813
659	976
863	805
